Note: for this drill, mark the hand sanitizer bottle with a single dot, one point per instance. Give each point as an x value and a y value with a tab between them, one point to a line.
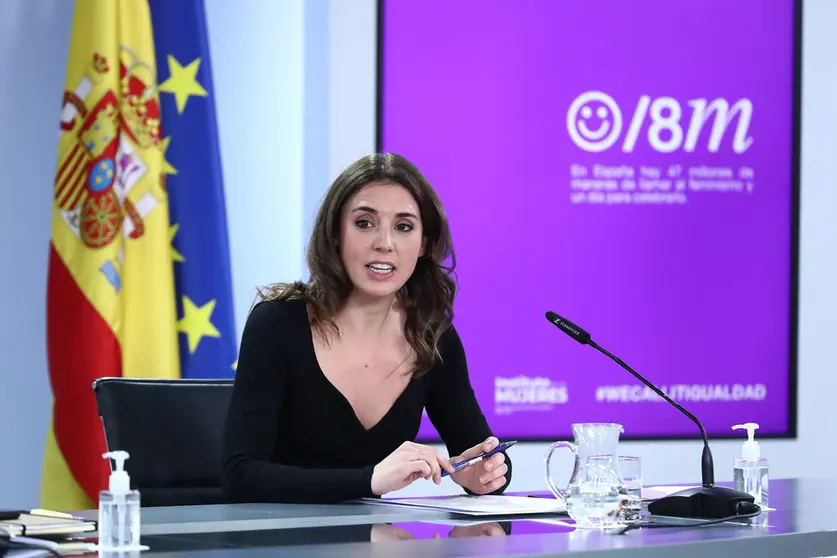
749	473
119	509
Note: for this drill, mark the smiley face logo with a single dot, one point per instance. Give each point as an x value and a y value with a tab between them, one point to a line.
594	121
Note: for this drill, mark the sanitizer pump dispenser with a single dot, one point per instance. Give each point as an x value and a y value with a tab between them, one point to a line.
750	473
119	509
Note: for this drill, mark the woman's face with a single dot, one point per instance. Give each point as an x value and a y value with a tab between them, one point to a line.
380	238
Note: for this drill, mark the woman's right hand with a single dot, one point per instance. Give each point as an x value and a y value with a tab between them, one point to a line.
406	464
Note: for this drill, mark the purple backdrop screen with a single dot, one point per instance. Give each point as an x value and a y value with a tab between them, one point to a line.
628	165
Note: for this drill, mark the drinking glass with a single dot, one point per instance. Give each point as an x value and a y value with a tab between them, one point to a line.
631	468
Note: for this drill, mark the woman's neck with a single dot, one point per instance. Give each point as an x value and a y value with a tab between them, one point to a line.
366	317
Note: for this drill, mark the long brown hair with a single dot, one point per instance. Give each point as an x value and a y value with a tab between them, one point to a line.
427	297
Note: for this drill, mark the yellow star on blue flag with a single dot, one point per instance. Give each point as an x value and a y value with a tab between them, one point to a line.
192	174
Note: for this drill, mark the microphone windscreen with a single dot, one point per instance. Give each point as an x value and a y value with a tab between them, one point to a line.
568	327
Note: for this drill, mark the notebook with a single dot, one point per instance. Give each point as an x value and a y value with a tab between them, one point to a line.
31	525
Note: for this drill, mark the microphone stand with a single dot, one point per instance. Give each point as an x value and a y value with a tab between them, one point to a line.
704	502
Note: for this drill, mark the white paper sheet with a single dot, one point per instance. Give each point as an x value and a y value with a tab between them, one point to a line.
478	505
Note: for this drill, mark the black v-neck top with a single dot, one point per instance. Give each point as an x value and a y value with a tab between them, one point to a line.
291	435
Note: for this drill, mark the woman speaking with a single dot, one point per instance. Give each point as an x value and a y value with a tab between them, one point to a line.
334	374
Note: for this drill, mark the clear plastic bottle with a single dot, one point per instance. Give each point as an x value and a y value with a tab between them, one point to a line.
119	509
750	472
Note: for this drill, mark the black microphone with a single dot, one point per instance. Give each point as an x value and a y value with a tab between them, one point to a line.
708	501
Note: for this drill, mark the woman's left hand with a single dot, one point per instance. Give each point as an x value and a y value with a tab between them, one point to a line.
484	476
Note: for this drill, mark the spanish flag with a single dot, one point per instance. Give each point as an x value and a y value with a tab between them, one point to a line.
111	307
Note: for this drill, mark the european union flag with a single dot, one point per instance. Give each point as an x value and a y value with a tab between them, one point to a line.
200	247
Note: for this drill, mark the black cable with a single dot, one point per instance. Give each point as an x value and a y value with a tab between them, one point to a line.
747	510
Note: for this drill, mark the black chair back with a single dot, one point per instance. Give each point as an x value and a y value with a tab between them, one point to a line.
172	429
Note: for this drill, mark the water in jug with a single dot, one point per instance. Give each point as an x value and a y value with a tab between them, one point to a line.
595	494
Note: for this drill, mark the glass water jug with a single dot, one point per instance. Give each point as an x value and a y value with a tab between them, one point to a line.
595	493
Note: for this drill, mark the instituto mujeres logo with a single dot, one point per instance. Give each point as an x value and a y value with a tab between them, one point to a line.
595	123
525	393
